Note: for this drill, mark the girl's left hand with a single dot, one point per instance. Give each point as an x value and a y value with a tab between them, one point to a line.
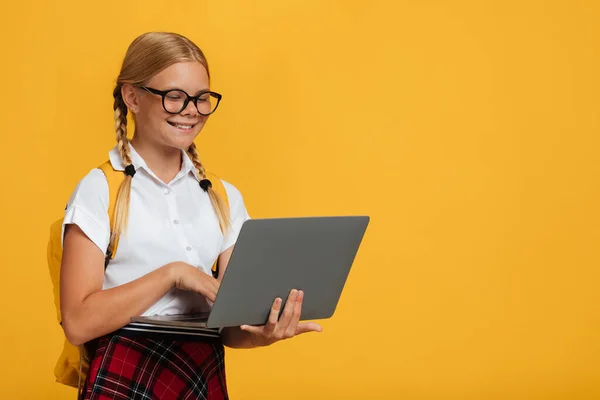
286	327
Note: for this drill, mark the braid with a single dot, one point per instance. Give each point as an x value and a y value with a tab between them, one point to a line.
121	125
193	153
121	213
218	204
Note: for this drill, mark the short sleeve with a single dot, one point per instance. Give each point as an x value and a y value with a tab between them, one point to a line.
88	208
238	214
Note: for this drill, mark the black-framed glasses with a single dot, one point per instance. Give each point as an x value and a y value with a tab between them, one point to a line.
175	101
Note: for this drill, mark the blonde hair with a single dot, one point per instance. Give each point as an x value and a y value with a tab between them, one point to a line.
146	56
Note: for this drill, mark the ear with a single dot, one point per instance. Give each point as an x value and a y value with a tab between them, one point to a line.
130	97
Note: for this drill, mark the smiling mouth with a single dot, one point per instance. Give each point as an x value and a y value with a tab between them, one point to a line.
182	126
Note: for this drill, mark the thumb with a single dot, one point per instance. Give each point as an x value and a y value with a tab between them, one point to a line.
250	328
308	327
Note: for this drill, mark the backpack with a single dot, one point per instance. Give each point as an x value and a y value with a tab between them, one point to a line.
73	363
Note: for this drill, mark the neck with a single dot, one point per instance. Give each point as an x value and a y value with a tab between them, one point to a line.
165	162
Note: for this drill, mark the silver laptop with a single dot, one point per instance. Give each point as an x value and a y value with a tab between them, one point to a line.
271	257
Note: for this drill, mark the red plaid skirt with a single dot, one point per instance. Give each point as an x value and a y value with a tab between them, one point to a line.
124	367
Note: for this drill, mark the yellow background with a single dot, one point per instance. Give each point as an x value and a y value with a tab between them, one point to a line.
467	130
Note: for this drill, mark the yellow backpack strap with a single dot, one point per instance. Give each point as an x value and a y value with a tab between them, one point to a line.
219	188
114	179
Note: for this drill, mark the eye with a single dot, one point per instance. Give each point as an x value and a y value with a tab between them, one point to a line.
174	96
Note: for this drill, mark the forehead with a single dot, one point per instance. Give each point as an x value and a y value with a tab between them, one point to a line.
189	76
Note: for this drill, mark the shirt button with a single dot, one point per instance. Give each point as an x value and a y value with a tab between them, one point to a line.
189	248
176	221
167	191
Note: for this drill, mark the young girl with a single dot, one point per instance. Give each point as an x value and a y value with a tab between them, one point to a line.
171	227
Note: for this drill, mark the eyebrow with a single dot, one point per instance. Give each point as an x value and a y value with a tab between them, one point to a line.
197	93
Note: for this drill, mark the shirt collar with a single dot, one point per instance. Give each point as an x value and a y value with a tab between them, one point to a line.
138	162
188	165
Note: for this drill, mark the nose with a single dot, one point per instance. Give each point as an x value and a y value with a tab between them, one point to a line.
190	109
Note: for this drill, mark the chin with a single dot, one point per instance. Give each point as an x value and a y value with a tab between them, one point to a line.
182	144
179	140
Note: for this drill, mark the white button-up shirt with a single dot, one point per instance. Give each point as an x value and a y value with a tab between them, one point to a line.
167	223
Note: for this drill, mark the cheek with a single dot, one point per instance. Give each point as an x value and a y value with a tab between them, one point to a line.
203	119
150	117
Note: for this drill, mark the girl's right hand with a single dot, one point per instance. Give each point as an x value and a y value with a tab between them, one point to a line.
187	277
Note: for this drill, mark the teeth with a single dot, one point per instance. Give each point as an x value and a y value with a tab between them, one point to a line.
183	126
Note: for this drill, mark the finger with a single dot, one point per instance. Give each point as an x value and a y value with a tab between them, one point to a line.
213	282
204	284
212	290
210	294
291	329
288	310
308	327
213	287
273	316
204	288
